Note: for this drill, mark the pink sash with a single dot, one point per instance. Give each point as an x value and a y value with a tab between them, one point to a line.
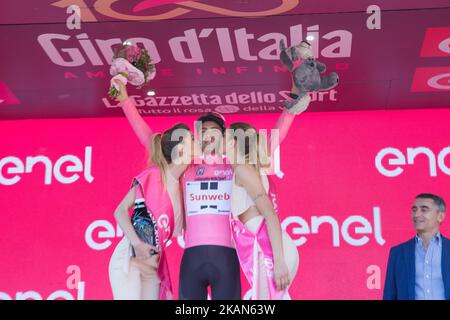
160	206
247	247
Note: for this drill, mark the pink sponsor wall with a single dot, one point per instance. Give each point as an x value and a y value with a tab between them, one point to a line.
349	181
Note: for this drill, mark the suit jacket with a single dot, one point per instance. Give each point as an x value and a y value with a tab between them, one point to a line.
401	271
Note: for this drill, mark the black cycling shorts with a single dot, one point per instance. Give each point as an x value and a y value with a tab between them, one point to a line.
210	265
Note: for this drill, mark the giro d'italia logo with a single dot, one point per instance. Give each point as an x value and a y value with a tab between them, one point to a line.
431	79
6	95
436	44
168	9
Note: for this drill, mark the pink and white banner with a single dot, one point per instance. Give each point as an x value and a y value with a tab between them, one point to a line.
349	182
222	55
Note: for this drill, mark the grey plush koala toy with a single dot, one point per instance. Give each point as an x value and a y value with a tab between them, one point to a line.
307	72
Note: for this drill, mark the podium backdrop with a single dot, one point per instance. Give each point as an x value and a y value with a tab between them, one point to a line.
349	182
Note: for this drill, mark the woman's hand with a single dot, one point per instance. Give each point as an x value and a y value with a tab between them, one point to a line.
142	250
281	273
123	94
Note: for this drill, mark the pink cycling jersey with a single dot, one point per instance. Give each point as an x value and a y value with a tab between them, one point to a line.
207	201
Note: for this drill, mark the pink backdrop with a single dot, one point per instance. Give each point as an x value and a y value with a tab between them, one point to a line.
332	174
221	53
340	181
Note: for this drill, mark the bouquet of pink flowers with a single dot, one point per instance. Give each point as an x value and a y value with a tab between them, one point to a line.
131	64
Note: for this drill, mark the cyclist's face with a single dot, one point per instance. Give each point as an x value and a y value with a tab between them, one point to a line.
211	137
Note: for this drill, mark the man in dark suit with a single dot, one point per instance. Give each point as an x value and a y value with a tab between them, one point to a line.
419	269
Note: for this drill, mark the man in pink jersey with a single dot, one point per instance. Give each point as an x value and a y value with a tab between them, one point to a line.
209	258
